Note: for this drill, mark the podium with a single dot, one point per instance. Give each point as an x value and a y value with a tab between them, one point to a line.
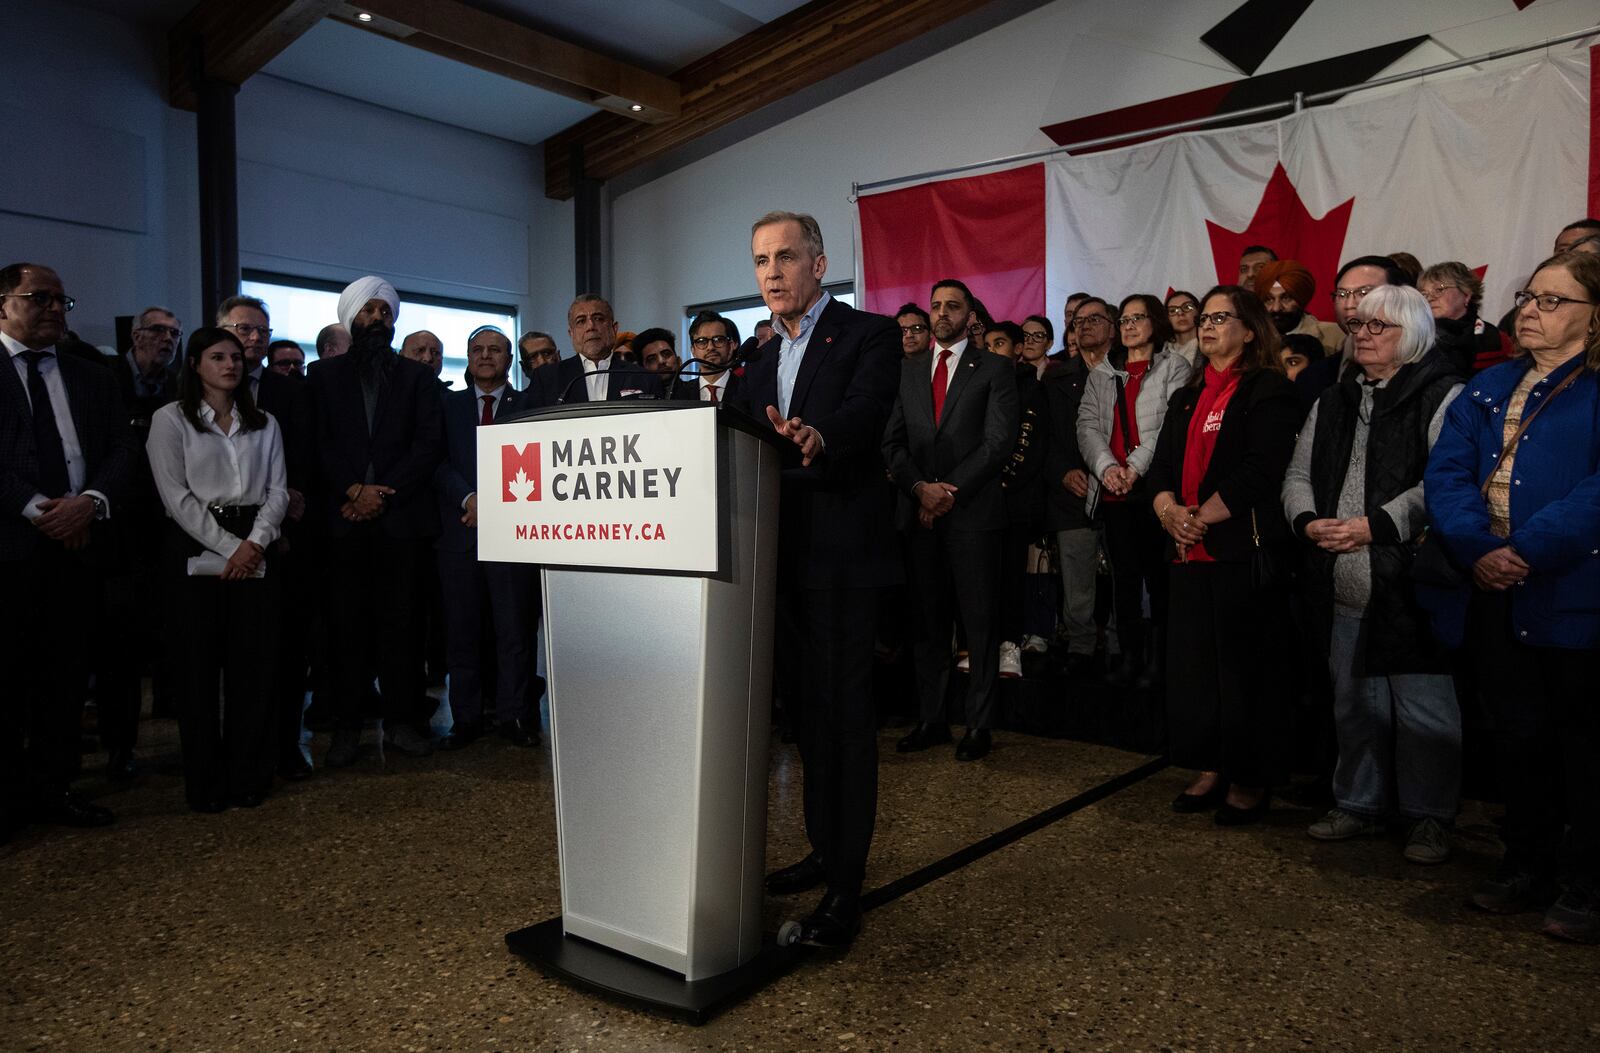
655	523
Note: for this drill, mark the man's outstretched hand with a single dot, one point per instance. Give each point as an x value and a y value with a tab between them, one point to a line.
801	434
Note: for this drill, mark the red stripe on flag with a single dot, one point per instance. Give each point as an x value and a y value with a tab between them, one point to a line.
985	230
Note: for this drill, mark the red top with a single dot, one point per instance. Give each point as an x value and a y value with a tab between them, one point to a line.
1204	427
1119	444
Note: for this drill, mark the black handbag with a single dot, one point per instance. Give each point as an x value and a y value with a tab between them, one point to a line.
1431	565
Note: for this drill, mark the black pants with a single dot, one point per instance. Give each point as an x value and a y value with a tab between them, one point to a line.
955	571
44	652
825	645
1547	732
374	589
1014	580
1136	550
295	568
133	628
230	641
1225	644
491	613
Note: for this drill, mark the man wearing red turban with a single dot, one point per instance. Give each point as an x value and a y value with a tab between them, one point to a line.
1285	287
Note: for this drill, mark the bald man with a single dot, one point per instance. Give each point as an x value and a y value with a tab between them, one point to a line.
423	347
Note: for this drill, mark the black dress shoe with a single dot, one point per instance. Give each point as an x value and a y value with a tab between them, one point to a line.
974	745
798	877
120	766
922	737
1190	803
1231	815
462	735
249	800
834	923
295	767
520	733
72	810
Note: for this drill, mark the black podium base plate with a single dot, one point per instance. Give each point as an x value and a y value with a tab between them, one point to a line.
623	977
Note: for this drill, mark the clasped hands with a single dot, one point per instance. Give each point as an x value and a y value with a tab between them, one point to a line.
933	500
798	432
66	519
364	501
244	562
1184	525
1119	479
1340	535
1500	569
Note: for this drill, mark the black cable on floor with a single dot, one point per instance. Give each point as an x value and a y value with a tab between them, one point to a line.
996	841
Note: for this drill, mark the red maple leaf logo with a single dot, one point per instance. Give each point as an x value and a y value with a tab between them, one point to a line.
1283	223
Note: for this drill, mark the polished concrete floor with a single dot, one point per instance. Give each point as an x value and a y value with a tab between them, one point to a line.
366	909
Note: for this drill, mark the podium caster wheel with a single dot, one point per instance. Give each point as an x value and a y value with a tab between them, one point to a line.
789	934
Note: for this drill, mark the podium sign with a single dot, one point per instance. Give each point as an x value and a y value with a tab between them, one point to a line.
624	490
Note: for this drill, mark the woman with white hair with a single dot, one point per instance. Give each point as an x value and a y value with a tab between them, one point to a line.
1354	493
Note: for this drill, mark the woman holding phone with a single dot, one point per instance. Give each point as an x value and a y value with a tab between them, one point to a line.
218	465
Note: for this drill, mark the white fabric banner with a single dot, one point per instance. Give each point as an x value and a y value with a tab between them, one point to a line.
1483	168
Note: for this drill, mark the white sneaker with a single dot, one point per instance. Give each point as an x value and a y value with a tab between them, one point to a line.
965	663
1010	660
1034	644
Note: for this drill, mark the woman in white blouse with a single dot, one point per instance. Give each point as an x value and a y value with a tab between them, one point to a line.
218	465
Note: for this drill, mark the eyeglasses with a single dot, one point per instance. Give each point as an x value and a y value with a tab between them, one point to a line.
1345	294
1374	326
41	298
1176	312
160	330
1090	319
700	343
1034	338
242	329
1547	301
1435	292
1215	318
913	330
1130	320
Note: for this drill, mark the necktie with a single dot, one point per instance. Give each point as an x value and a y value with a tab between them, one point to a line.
941	381
53	479
711	390
487	416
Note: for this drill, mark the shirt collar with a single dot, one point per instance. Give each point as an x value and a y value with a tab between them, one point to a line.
17	347
809	319
955	349
591	366
497	394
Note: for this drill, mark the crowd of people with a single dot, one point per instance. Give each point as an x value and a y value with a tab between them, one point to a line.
1376	508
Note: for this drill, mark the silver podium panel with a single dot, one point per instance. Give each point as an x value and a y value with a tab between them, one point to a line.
660	703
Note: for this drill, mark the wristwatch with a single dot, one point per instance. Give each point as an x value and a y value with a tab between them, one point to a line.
99	507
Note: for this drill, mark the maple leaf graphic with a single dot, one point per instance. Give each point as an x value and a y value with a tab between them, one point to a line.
520	486
1283	222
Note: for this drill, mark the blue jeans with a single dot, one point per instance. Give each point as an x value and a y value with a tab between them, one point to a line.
1404	728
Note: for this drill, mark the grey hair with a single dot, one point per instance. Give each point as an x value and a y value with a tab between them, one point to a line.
810	231
1454	272
590	297
1408	309
241	301
155	310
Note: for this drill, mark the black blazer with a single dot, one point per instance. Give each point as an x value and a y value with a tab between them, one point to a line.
558	382
1063	392
687	389
835	516
967	448
403	447
288	399
101	421
457	474
1254	447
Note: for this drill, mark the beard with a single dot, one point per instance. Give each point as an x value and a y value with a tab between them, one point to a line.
370	339
1285	321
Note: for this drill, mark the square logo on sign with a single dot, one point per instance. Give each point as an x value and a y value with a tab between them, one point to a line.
519	472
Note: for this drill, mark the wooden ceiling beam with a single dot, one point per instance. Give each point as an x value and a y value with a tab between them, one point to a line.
804	47
235	39
477	38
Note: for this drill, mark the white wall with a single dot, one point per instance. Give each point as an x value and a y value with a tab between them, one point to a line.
684	238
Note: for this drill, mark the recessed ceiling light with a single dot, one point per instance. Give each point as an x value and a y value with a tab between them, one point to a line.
363	16
636	107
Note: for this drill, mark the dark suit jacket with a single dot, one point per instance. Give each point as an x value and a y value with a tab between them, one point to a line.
971	442
101	422
457	475
1254	446
1063	388
687	389
289	401
558	382
403	446
835	516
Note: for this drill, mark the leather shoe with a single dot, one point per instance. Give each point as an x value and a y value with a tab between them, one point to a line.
520	733
834	923
798	877
974	745
922	737
295	767
1190	803
462	734
342	753
1231	815
72	810
120	766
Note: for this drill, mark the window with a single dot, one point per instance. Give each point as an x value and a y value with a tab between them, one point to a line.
300	307
746	311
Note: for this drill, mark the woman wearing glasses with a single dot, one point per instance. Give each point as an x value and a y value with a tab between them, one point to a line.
1038	338
1124	403
1181	308
218	466
1217	475
1513	488
1354	493
1455	295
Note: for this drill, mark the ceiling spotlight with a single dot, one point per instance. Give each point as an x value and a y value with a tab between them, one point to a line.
636	107
363	16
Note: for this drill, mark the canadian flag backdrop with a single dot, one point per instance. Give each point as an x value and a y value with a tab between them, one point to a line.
1478	167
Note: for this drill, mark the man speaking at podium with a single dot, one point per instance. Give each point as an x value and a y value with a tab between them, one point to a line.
825	381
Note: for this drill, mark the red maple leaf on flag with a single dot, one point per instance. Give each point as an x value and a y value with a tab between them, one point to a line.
1283	223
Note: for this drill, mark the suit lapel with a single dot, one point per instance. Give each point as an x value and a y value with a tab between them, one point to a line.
958	383
576	390
83	416
817	349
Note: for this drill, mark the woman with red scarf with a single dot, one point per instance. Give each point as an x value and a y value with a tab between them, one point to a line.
1217	476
